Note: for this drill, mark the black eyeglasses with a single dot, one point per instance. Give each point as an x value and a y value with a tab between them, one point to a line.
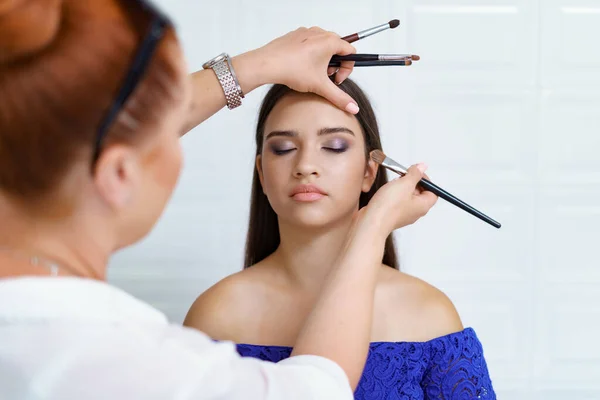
155	30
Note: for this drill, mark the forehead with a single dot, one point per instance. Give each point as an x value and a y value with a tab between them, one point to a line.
307	114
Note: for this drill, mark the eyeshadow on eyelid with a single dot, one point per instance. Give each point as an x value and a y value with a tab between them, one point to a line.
338	144
281	146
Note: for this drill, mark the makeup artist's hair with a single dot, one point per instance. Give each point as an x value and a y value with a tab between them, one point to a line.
61	64
263	228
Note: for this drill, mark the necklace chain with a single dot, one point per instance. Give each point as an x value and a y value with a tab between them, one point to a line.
37	261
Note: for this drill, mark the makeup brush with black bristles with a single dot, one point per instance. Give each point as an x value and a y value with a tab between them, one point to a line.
380	158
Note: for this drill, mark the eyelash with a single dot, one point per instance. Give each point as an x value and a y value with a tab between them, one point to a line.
330	149
281	152
340	150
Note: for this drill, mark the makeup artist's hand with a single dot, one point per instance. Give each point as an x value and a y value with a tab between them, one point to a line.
300	61
400	202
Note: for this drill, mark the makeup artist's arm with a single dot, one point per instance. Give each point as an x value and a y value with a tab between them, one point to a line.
339	327
298	59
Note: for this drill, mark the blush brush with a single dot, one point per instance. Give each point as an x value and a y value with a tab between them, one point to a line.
380	158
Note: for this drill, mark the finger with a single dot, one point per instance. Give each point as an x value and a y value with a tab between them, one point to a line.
332	70
420	189
334	34
337	96
345	70
341	47
425	201
415	173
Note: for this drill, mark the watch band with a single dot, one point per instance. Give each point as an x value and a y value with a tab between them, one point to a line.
228	80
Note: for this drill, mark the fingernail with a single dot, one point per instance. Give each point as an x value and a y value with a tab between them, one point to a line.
352	108
422	167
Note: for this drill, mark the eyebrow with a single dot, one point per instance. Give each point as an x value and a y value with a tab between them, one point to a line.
322	131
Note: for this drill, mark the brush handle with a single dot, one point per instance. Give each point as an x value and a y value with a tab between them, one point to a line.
351	38
375	63
435	189
355	57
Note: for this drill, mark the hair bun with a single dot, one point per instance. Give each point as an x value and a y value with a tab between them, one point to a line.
27	26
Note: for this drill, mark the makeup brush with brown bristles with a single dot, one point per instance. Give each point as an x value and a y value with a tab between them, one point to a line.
375	57
380	158
371	31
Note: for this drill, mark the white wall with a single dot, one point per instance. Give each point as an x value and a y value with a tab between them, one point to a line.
505	108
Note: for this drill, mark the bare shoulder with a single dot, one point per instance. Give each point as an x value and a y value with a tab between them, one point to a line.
225	311
410	309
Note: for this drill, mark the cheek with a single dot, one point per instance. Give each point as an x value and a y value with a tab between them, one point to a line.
274	176
346	175
173	167
167	162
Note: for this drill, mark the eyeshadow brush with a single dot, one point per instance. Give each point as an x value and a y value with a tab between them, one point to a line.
369	32
375	57
375	63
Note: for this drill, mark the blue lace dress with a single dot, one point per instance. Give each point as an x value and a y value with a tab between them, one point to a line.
450	367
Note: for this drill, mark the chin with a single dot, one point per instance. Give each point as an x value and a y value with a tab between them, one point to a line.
131	239
312	218
135	230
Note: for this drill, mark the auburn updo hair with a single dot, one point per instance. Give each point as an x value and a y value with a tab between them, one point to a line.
61	65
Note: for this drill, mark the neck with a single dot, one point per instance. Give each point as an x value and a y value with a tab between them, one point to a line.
307	254
61	243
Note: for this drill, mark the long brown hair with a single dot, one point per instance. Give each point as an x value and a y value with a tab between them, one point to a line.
61	64
263	227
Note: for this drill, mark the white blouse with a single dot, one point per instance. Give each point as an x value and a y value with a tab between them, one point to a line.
72	338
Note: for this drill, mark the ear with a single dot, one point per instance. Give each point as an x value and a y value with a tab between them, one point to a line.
117	175
370	175
260	171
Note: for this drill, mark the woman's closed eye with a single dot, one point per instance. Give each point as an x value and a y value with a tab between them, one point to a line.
336	146
281	152
281	149
335	149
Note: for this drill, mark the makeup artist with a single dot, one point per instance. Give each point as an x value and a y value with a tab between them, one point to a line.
92	98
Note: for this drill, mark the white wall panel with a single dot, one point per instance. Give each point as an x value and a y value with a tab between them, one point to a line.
505	108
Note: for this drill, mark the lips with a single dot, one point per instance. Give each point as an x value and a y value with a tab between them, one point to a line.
307	193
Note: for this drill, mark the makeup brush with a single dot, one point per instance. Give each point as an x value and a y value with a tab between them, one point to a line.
368	32
375	57
380	158
375	63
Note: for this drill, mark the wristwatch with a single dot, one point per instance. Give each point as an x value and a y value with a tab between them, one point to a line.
223	68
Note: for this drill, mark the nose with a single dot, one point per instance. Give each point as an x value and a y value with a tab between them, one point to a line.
306	164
